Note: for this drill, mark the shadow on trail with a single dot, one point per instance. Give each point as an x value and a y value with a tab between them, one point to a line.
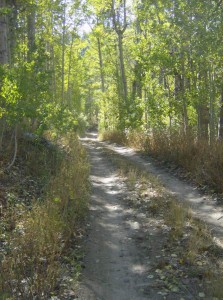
122	253
114	266
202	206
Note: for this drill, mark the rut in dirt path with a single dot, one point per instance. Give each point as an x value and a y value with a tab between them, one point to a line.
115	269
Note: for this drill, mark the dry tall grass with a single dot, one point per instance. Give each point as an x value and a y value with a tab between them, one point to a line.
113	136
32	267
200	160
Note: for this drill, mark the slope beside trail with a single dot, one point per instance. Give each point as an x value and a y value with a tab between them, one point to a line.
124	247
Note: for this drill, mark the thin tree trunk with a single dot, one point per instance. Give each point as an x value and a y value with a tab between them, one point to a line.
13	25
63	51
212	96
122	68
2	124
120	27
31	24
203	120
3	36
183	95
203	109
220	131
3	59
181	98
69	92
101	66
146	110
52	62
15	150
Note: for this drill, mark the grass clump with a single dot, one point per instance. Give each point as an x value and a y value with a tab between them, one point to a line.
199	240
31	267
177	216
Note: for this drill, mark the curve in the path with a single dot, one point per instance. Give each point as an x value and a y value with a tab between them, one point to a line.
203	207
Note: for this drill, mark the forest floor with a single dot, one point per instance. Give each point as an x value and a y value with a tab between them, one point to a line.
131	252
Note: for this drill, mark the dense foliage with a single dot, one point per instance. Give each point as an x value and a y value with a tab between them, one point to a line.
138	64
171	54
41	66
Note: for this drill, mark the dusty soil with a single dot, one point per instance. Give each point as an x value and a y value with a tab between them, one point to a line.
115	269
126	249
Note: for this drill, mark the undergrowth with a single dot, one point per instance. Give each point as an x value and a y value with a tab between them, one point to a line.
36	234
113	136
200	160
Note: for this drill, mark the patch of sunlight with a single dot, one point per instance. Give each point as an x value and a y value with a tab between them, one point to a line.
134	225
111	207
139	269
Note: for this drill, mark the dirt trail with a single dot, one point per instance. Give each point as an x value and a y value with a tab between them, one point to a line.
124	247
114	269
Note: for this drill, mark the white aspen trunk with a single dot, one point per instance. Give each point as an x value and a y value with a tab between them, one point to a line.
120	28
63	52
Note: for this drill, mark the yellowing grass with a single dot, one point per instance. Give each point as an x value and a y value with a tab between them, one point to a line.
32	267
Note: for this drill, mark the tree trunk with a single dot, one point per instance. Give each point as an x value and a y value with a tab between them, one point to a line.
15	150
2	132
137	82
63	51
31	24
211	102
180	97
220	131
203	109
120	25
69	86
3	58
122	68
3	35
101	66
203	121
